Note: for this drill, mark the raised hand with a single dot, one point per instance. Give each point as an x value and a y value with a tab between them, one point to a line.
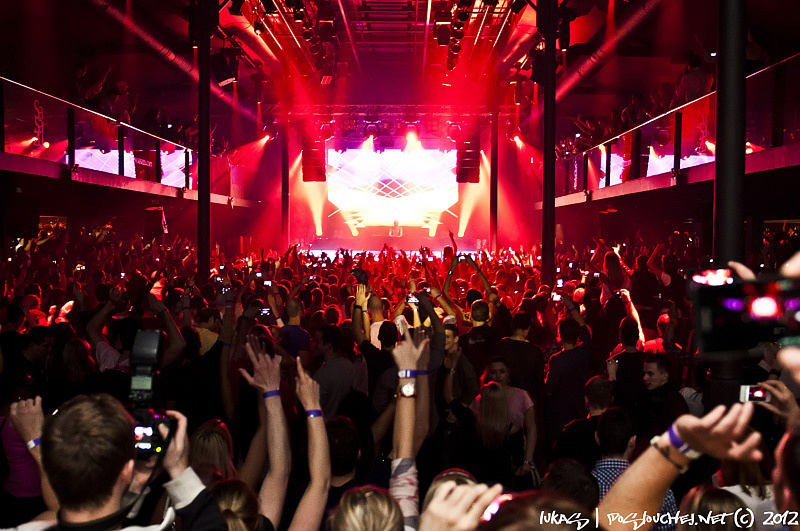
717	434
27	418
457	507
266	370
406	354
307	388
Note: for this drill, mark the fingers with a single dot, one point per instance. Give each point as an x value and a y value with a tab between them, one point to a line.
482	502
748	449
791	268
742	270
247	377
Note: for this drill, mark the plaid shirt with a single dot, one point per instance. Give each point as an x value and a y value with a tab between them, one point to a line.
608	471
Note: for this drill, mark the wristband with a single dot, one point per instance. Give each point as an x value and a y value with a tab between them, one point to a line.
366	312
411	373
664	451
311	413
270	394
676	441
437	297
33	443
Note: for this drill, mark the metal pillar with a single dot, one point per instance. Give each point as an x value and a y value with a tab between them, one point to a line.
677	140
207	22
121	149
547	10
284	128
493	179
70	138
729	178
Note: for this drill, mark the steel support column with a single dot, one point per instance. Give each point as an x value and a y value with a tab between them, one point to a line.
547	12
729	178
208	18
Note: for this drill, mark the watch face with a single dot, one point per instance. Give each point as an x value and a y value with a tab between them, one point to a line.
408	390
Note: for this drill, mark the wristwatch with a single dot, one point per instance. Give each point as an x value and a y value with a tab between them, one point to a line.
407	390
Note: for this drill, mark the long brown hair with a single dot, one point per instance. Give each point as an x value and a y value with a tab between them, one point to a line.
493	422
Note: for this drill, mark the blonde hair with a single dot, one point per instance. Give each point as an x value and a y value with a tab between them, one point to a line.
237	503
367	509
211	445
493	422
456	475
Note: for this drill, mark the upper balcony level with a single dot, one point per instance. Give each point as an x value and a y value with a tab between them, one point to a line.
679	146
46	136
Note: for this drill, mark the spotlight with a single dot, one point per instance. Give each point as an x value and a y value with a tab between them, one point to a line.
458	33
299	14
455	46
258	27
412	133
270	132
454	132
308	33
463	15
372	130
326	131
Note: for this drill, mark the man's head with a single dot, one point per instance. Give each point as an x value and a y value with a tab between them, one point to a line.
209	318
387	335
344	445
656	371
88	451
616	433
294	308
374	305
479	311
521	323
329	340
599	393
568	330
450	337
662	324
628	332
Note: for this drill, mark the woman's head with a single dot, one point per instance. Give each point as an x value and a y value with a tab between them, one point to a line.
705	499
78	361
367	509
212	446
613	270
496	371
526	511
237	503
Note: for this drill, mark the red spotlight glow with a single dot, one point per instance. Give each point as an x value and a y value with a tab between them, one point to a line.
46	145
711	146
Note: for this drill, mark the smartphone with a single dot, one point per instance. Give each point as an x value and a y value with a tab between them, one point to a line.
412	299
221	267
558	270
259	274
431	259
596	275
268	283
753	393
265	311
226	289
560	283
79	267
569	265
733	315
556	297
122	275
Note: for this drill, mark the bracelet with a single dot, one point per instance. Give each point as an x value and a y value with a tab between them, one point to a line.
33	443
529	463
676	441
665	452
270	394
411	373
365	312
311	413
437	297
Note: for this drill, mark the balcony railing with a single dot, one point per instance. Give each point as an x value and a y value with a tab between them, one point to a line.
41	126
686	136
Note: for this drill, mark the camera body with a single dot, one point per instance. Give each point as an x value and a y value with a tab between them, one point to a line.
734	315
144	367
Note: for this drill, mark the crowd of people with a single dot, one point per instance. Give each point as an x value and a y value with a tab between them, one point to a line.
377	390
